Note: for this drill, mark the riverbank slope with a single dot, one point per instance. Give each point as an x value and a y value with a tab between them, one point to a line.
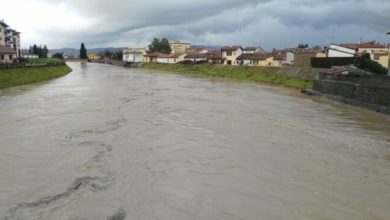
20	76
294	77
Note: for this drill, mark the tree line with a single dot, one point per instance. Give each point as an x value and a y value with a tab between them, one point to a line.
40	51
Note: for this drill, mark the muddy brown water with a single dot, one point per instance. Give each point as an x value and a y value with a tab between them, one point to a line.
106	142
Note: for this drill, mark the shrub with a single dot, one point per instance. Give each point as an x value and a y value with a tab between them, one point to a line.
328	62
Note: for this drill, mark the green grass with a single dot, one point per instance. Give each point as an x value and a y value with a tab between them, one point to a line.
280	76
21	76
44	61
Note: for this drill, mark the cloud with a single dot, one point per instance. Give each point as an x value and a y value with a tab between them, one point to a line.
271	23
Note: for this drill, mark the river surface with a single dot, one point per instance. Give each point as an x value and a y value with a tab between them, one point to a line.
107	142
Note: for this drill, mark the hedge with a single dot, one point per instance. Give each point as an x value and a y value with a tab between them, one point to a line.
328	62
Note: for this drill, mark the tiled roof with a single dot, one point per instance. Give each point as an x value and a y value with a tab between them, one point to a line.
215	54
172	55
6	50
356	46
197	55
153	54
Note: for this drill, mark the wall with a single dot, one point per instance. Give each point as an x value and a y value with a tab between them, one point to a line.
365	89
232	58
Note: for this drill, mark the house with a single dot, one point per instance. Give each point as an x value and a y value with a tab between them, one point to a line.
7	54
340	51
259	59
298	56
214	57
179	47
382	59
230	54
253	50
171	58
371	47
134	55
151	57
273	60
196	57
94	57
246	59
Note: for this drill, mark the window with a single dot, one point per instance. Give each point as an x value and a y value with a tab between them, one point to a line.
2	57
229	53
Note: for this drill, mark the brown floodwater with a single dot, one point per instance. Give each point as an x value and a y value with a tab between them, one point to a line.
106	142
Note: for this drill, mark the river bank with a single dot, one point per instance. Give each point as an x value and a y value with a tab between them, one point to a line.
287	76
26	75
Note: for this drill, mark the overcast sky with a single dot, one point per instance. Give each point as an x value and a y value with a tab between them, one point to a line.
129	23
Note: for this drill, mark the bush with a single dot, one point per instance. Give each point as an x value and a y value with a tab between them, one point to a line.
365	62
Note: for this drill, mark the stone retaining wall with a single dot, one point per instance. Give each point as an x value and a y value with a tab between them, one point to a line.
365	89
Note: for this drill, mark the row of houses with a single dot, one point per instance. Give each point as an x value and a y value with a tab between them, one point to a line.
182	51
378	52
254	56
9	43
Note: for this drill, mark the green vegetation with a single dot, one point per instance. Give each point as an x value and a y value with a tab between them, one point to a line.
294	78
48	61
365	62
39	50
161	46
20	76
83	52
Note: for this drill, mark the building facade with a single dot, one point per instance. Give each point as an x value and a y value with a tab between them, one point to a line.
135	55
230	55
180	47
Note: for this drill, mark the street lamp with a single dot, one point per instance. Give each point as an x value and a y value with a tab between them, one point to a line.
388	66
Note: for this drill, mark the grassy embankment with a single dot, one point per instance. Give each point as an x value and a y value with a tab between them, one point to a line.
26	75
280	76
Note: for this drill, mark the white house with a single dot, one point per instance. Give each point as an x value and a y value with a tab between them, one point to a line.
171	58
339	51
196	57
134	55
230	55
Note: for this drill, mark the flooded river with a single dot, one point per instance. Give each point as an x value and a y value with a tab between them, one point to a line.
106	142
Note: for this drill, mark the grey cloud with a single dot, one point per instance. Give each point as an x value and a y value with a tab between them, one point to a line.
275	23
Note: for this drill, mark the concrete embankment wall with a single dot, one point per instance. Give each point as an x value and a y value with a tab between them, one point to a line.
366	90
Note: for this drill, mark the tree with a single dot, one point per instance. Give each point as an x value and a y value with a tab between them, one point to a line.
365	62
45	51
58	56
161	46
39	50
303	46
83	52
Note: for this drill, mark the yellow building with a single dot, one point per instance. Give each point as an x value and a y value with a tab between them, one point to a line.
378	52
382	59
94	57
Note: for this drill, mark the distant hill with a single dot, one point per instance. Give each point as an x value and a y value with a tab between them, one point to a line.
76	52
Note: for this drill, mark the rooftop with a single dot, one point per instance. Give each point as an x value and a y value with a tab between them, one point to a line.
370	44
6	50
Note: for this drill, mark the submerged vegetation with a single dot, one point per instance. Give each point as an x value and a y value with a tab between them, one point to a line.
26	75
270	75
